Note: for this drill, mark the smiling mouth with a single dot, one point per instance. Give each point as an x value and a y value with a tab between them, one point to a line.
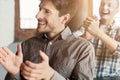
41	24
105	13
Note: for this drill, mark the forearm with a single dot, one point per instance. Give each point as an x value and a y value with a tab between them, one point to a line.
111	44
87	35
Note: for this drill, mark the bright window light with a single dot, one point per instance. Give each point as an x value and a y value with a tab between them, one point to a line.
28	11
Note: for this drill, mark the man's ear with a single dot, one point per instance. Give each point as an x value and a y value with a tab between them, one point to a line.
66	18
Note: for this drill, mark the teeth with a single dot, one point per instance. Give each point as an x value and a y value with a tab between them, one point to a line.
105	13
42	23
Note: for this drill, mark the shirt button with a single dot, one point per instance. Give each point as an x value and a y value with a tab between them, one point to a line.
50	43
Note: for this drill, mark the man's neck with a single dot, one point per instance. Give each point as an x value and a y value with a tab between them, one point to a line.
54	34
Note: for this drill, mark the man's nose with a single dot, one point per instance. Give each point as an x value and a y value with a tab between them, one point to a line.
39	15
105	7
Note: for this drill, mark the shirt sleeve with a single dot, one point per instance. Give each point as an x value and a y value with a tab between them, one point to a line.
13	77
84	69
57	76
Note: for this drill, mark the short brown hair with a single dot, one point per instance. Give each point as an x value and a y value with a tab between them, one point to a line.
65	6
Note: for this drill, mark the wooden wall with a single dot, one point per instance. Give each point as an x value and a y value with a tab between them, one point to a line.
85	9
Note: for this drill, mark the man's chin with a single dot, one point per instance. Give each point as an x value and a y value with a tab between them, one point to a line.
40	31
104	18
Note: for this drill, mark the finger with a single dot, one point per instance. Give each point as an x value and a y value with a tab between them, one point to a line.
29	78
2	61
8	51
90	18
2	51
3	58
87	23
33	76
37	70
24	67
30	75
43	56
2	55
95	17
98	21
27	71
31	65
19	48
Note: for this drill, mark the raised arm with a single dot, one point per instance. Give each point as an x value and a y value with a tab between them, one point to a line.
92	26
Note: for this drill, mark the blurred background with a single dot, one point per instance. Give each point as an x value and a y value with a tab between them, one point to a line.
18	21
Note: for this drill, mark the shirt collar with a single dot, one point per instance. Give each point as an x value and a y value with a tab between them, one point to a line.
112	26
62	35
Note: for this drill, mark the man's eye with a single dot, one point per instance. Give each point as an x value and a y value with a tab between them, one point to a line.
39	9
109	5
47	11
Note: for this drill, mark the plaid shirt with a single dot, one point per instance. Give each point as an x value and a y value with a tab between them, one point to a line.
107	63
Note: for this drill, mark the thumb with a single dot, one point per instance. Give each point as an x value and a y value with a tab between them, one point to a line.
43	56
19	49
95	17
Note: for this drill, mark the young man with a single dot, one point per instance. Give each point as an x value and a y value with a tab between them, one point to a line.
55	53
106	41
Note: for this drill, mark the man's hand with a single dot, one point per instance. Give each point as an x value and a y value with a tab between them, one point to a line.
91	24
10	61
33	71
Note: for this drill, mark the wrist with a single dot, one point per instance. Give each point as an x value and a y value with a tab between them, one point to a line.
50	75
15	71
99	34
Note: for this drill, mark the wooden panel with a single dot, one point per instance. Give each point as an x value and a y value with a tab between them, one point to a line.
85	9
21	34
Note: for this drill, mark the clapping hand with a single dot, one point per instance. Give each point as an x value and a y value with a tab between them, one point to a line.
37	71
10	61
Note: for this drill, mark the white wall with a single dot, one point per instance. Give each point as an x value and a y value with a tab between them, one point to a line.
6	22
6	27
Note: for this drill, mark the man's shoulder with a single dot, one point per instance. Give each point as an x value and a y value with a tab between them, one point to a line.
78	40
34	39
